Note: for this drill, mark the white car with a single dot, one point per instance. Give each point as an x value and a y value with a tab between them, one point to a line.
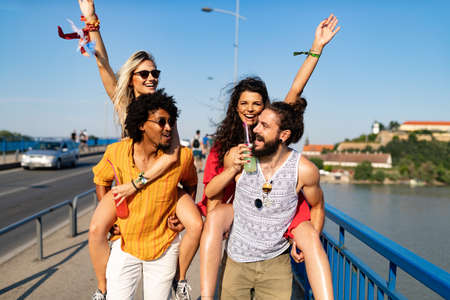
51	154
185	143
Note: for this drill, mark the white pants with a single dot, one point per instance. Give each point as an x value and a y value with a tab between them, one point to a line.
124	271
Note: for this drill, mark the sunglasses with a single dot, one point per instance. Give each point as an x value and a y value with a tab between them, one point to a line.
144	73
163	121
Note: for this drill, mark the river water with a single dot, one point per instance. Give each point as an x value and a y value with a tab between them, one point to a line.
417	218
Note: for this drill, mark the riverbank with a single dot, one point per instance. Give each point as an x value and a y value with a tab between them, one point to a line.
342	178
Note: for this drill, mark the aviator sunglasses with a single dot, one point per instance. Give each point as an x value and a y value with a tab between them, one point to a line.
144	73
163	121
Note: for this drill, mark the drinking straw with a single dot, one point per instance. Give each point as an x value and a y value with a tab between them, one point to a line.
246	133
114	170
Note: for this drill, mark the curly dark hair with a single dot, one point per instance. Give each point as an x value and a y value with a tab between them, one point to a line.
137	111
230	131
291	117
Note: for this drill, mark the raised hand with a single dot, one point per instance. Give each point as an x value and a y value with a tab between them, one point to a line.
87	8
326	30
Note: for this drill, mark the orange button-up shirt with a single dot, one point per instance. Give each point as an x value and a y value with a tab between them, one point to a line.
145	233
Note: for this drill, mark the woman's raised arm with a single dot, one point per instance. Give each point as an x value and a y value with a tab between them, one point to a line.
106	73
324	33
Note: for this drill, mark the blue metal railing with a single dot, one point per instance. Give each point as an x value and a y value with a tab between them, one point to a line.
23	145
73	213
351	275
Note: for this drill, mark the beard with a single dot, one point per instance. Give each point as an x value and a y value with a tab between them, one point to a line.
164	147
269	147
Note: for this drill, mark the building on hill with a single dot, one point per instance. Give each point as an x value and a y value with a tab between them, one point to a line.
311	149
384	137
378	160
425	125
357	146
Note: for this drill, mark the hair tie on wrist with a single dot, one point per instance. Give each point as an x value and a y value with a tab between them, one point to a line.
134	185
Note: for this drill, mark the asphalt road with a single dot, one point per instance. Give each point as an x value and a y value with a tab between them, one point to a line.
26	192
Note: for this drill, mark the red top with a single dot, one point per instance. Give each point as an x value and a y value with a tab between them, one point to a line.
214	167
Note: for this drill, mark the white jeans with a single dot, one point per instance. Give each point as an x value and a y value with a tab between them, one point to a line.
124	271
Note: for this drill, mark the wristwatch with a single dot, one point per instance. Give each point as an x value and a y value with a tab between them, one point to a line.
141	180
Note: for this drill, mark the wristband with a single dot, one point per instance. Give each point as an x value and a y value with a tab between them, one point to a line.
134	185
307	53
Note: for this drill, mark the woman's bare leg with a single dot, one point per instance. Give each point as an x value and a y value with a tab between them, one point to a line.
218	221
189	216
102	220
316	262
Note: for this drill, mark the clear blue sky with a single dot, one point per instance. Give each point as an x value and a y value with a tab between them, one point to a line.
390	61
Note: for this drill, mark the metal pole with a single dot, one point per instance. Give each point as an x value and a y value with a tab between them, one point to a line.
73	216
236	44
4	151
94	197
39	238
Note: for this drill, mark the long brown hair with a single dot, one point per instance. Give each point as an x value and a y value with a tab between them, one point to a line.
230	131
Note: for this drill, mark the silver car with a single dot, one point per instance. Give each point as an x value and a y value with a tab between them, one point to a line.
51	154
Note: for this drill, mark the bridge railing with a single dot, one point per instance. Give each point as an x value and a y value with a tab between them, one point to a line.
73	213
353	279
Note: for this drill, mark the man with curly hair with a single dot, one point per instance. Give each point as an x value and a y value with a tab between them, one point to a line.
147	247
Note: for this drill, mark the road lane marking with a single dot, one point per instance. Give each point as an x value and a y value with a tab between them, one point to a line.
45	182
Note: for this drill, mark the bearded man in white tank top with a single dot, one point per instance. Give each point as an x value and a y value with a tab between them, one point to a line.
264	205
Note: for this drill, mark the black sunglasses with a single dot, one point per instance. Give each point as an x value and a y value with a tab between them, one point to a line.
258	203
163	121
144	73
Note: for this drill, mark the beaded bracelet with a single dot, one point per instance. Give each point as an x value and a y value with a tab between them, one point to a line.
91	26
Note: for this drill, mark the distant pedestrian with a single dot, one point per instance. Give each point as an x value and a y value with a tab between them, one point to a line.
84	140
197	150
73	136
206	145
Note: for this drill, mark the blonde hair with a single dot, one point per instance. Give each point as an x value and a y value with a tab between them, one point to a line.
124	93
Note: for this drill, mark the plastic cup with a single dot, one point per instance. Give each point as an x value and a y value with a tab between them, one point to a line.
122	209
250	167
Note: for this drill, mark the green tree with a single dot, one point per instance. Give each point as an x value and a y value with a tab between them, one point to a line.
328	168
317	161
406	168
363	171
427	172
443	174
367	149
393	125
13	136
379	176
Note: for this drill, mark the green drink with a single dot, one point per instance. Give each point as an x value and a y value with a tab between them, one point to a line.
250	167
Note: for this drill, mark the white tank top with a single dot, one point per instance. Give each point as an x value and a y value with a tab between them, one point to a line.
257	233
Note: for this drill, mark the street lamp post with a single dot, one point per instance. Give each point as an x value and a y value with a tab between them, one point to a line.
236	33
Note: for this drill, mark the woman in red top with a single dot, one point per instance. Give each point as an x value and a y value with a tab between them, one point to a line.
228	155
